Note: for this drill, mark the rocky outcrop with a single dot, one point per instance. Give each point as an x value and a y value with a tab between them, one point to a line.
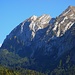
52	35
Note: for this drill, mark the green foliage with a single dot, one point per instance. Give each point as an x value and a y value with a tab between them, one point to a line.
11	59
16	63
21	65
68	59
6	71
63	71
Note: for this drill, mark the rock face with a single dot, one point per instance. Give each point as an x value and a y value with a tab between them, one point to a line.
26	30
43	37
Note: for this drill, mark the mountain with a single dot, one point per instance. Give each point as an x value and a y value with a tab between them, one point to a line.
43	41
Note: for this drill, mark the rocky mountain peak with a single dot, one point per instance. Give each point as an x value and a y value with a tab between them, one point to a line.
44	25
69	12
33	18
39	23
44	41
64	21
71	7
27	30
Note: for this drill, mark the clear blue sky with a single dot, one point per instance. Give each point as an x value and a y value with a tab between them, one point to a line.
13	12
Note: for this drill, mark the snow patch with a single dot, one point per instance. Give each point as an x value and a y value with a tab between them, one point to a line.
0	45
64	20
22	27
68	26
55	27
58	33
33	18
72	15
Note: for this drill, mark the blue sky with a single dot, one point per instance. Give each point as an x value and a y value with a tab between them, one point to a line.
13	12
